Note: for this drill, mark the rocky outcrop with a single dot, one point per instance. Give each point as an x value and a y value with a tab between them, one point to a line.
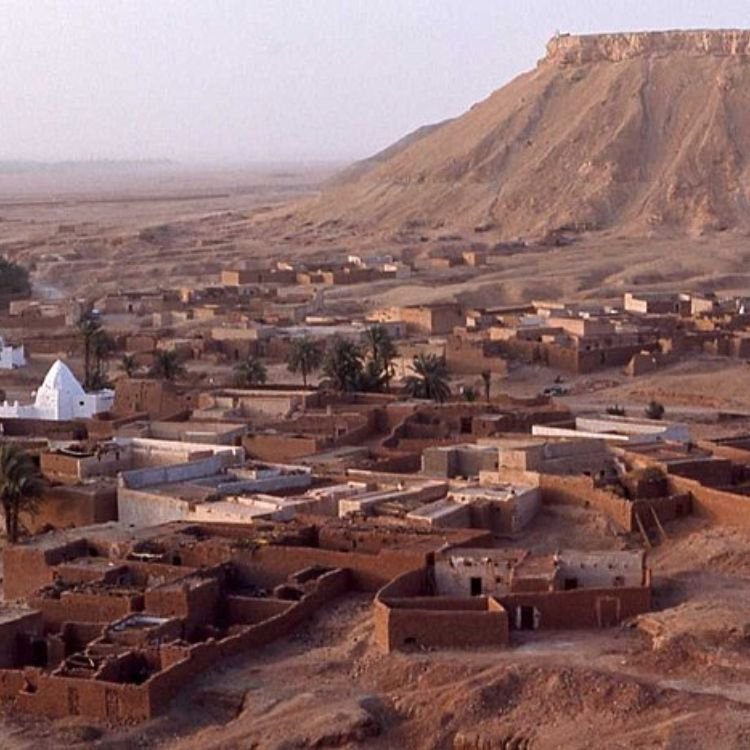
657	142
567	49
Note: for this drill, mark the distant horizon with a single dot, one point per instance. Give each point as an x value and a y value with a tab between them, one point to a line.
11	164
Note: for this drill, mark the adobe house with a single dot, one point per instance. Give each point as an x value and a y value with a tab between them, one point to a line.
207	488
236	343
472	355
470	598
499	508
242	403
81	462
81	486
433	319
416	426
521	455
157	399
413	494
648	303
65	505
684	460
119	620
312	432
580	340
464	460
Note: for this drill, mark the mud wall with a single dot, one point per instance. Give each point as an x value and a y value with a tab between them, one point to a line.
583	608
716	505
580	491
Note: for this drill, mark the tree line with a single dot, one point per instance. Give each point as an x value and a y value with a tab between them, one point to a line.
349	366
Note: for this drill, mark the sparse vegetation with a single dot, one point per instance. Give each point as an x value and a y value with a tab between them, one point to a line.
655	410
250	372
103	348
14	278
429	379
305	357
470	394
343	365
382	352
616	411
167	366
129	365
98	346
20	487
487	383
349	367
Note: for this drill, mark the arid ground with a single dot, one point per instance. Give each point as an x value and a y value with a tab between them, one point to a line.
677	678
95	230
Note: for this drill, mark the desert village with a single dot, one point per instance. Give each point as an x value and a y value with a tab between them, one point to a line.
475	477
244	455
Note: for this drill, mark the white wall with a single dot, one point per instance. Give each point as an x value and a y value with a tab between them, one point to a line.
602	569
454	571
12	357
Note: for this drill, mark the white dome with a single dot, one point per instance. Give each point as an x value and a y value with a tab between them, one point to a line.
60	379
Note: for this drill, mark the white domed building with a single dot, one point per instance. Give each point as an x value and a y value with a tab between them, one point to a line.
60	398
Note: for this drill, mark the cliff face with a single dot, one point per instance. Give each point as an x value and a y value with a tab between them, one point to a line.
575	50
657	143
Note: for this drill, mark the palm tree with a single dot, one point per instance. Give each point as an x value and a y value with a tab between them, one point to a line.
487	382
20	487
14	279
655	410
430	378
382	351
342	364
470	394
89	327
166	366
305	357
129	365
250	372
372	377
102	347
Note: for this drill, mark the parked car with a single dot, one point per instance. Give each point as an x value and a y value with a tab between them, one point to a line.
555	390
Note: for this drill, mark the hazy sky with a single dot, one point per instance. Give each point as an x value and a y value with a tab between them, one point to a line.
276	79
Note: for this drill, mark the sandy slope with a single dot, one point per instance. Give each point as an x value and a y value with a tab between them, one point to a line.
657	140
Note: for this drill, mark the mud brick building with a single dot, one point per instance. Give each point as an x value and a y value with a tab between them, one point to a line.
473	354
479	597
155	398
117	621
430	320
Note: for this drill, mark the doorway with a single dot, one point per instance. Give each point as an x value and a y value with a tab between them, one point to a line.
608	611
527	618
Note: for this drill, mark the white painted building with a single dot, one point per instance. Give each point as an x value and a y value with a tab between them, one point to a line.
11	357
618	430
60	397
